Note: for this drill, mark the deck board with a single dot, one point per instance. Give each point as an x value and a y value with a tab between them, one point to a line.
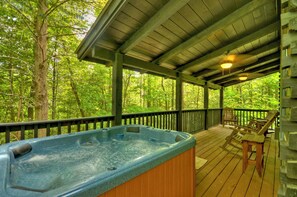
222	174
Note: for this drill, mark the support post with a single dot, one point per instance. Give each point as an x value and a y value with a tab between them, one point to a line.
221	103
206	99
117	83
179	101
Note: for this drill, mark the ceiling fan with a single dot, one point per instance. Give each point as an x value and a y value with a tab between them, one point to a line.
244	76
235	60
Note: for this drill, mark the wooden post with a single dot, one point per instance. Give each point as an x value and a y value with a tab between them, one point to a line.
206	99
221	103
179	101
117	83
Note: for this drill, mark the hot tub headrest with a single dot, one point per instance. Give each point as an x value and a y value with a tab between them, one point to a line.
179	138
21	150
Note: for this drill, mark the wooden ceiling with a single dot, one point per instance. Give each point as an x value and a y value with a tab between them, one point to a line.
191	37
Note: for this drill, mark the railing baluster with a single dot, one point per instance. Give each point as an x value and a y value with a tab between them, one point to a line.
87	125
35	131
48	129
22	132
101	124
108	123
7	135
94	124
78	126
59	128
69	127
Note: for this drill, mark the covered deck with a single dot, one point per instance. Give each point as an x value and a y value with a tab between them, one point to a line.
222	174
188	40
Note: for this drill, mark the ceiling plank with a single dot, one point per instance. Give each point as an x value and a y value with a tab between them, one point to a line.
251	37
260	62
225	21
160	17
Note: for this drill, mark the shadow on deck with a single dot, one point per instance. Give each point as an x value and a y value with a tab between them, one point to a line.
222	174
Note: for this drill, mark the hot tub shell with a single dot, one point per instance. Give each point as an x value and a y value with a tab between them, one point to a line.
168	171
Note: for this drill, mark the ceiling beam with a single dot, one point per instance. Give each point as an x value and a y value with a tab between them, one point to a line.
255	70
106	17
202	72
191	79
159	18
247	39
225	21
234	82
101	54
261	61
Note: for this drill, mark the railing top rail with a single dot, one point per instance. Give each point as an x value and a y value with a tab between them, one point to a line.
258	110
56	121
150	113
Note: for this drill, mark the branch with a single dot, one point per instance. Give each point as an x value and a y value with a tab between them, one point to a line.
54	7
61	35
10	57
24	16
64	26
51	9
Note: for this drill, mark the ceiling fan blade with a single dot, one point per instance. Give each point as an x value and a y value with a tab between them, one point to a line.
250	75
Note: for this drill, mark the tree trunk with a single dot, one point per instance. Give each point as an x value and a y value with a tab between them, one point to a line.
11	104
165	93
54	90
149	103
197	97
40	64
74	90
31	104
172	95
126	85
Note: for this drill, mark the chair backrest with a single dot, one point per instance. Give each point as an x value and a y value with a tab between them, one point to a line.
229	114
271	116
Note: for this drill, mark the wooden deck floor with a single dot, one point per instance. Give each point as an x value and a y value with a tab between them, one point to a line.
222	174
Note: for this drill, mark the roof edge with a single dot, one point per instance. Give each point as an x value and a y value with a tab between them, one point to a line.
107	15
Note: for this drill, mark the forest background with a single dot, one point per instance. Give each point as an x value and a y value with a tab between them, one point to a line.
41	78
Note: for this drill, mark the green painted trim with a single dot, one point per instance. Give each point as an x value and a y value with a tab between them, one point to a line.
109	56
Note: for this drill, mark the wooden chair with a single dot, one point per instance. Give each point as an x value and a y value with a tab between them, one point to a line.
229	117
235	138
255	125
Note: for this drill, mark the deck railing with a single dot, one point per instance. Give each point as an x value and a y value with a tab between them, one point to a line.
162	120
192	121
245	115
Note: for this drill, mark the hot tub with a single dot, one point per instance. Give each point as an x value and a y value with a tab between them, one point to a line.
120	161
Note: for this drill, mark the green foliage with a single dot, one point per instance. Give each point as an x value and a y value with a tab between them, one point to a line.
146	93
214	98
193	96
261	93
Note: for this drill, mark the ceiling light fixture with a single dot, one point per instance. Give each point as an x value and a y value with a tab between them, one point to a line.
243	78
226	65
